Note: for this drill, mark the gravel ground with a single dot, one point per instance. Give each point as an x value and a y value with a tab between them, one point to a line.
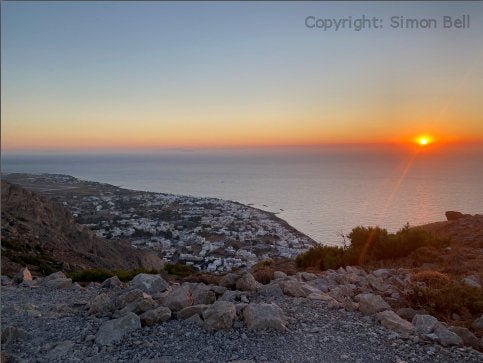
57	323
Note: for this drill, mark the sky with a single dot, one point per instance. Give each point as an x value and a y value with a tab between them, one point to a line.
100	75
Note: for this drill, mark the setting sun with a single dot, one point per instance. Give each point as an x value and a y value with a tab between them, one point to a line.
423	140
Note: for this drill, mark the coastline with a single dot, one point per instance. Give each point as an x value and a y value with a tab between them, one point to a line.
212	234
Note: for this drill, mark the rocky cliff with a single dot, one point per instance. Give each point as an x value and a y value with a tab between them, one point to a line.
43	235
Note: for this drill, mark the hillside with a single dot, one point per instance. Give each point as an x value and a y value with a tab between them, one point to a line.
44	236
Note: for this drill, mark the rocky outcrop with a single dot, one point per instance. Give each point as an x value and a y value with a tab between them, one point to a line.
391	320
44	236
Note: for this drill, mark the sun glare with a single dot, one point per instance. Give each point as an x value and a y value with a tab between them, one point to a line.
423	140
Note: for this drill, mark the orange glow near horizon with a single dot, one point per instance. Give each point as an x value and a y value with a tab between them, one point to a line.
424	140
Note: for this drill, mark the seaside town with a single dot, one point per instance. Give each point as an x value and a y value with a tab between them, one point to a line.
207	233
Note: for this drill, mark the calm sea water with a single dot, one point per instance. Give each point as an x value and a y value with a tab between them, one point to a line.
320	191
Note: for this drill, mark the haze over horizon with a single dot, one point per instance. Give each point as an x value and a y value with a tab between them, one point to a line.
109	75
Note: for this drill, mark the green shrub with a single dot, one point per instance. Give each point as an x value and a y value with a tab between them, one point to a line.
179	269
369	244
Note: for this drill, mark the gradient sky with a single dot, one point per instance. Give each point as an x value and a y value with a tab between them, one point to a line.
131	74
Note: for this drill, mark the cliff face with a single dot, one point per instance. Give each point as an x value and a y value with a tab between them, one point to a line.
44	236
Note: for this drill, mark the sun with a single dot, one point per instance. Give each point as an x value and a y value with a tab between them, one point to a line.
423	140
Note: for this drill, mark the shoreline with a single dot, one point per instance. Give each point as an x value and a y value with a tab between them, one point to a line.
212	234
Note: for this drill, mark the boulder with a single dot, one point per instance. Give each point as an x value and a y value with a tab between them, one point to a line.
408	313
246	283
191	310
178	298
371	304
271	291
323	284
342	291
478	323
264	316
383	273
156	315
292	288
390	320
453	215
149	283
60	283
308	276
424	323
23	275
138	306
228	281
219	316
279	275
112	331
101	305
467	336
125	298
196	319
55	276
472	281
445	336
111	282
202	294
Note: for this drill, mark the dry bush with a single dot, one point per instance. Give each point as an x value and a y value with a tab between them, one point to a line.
433	279
264	275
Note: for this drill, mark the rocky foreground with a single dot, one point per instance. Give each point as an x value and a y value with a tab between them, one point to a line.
336	316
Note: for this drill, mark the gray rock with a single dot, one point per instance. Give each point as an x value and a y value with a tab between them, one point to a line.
279	275
191	310
55	276
149	283
178	298
111	282
292	288
390	320
408	313
264	316
271	290
322	284
371	304
425	323
246	283
138	306
202	294
101	305
308	276
127	297
445	336
467	336
156	315
220	315
112	331
60	283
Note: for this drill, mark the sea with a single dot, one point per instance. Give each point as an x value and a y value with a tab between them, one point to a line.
322	191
